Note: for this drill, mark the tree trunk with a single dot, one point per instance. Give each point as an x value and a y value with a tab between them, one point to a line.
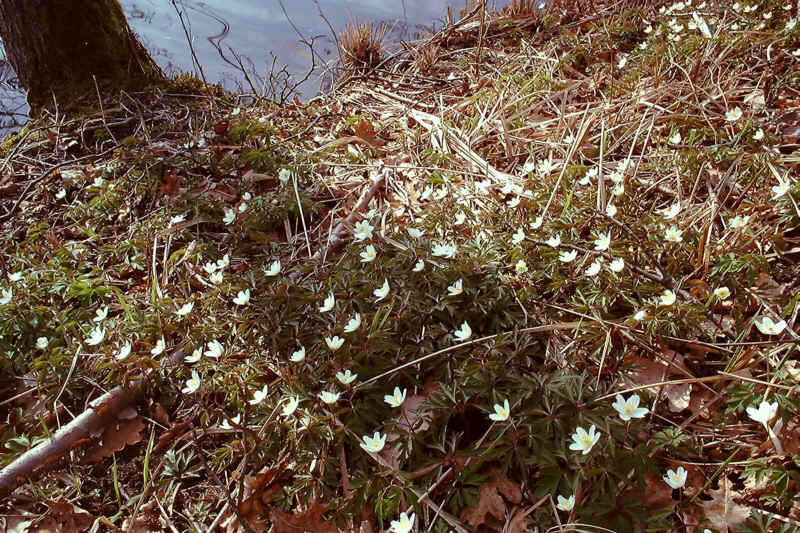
59	48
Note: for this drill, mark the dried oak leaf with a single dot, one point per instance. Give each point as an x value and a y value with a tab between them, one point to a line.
258	492
62	517
489	503
722	510
308	520
365	130
490	499
115	437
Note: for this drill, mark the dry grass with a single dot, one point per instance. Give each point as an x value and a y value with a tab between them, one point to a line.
361	45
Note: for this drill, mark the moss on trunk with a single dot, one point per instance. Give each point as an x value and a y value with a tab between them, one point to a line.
60	48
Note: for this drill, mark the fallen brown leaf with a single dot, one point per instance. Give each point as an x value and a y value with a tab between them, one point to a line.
115	437
308	520
722	511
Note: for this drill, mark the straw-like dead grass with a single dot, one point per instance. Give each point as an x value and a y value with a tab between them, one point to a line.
361	45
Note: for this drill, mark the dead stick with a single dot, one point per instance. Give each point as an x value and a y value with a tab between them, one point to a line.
101	412
337	239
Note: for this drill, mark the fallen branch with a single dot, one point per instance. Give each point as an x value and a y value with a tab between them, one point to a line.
101	412
337	239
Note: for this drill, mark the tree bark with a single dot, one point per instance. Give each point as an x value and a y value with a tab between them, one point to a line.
59	48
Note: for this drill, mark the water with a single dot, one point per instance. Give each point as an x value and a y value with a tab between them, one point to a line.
266	34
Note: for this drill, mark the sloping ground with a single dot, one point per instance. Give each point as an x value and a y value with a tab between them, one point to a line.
539	274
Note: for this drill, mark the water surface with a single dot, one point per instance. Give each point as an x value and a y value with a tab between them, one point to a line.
266	34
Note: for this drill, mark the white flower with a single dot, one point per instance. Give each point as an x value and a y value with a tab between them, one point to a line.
418	266
640	315
290	406
192	384
224	262
768	327
124	352
381	293
329	397
242	298
15	276
602	242
353	324
456	288
274	269
738	221
215	349
521	267
667	298
616	177
185	309
460	218
546	166
567	257
298	356
230	216
415	233
405	524
611	210
41	343
236	420
673	234
216	277
554	241
158	349
584	441
514	202
369	254
247	197
177	219
463	333
518	237
61	194
259	395
197	354
617	265
565	504
96	336
733	115
672	211
757	136
210	267
448	251
375	443
676	478
593	269
764	413
328	304
346	377
334	343
501	412
397	398
629	408
100	314
623	60
285	175
782	188
675	138
722	292
362	231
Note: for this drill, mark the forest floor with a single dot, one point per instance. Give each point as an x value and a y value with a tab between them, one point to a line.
539	273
